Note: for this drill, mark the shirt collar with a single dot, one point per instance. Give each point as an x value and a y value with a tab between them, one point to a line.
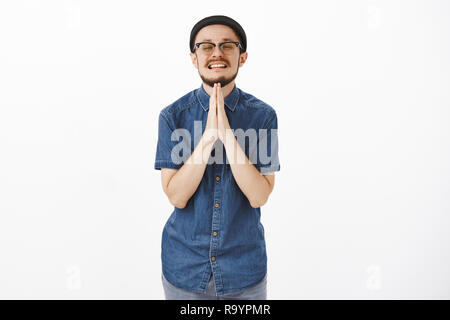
230	100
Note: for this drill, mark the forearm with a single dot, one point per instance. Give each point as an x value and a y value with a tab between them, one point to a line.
185	181
251	182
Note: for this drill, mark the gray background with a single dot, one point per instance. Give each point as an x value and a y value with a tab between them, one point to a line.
360	207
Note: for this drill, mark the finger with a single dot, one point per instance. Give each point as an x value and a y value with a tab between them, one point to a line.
217	94
212	100
220	101
216	86
212	95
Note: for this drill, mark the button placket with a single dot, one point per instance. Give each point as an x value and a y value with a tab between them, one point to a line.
215	227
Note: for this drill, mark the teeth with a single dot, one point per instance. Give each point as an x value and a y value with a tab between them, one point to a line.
217	66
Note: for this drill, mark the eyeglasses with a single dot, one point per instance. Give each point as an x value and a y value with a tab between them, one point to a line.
226	47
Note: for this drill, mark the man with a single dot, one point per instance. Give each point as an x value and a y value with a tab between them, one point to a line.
213	244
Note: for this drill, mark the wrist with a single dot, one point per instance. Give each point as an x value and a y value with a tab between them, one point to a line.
230	139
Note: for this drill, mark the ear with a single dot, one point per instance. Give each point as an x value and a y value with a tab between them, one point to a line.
242	58
194	59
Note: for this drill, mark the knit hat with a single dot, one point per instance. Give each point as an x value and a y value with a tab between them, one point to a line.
219	19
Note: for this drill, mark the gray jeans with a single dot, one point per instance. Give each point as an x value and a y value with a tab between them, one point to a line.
257	292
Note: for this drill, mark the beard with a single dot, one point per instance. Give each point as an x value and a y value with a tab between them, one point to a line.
223	80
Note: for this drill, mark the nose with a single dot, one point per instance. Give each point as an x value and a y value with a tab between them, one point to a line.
217	52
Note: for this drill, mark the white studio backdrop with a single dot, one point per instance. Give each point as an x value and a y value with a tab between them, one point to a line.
360	207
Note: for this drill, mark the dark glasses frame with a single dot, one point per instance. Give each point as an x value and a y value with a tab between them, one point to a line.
238	44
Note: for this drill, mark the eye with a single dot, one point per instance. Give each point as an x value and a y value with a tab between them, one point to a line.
206	46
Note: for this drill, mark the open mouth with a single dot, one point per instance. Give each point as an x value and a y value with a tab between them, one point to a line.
217	66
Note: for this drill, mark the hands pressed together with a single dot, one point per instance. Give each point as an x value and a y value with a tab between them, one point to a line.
217	123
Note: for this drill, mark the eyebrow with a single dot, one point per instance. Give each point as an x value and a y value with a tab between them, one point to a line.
224	39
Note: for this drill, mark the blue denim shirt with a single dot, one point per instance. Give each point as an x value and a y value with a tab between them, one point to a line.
218	230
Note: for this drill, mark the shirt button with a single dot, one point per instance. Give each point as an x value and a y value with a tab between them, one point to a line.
214	234
213	259
217	178
217	205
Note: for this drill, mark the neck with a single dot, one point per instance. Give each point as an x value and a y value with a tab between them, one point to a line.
226	90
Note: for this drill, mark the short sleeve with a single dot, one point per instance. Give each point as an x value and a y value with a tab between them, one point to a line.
267	158
165	146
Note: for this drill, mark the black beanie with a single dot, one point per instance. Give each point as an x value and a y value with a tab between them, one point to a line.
218	19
